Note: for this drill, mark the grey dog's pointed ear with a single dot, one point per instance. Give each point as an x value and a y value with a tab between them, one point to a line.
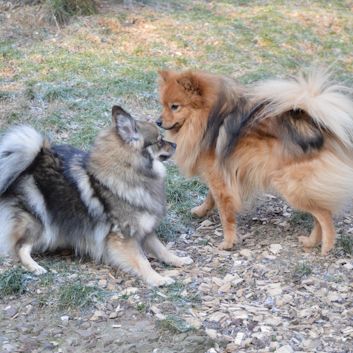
118	110
125	125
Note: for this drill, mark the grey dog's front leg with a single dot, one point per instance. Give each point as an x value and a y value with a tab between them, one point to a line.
157	248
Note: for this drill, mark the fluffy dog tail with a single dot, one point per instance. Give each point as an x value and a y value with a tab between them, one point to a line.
315	93
19	147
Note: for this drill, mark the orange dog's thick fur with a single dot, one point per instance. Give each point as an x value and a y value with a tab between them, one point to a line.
291	136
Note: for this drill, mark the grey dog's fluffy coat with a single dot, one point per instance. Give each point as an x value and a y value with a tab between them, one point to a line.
105	203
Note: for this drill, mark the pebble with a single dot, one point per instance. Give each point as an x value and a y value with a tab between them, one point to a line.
194	322
113	315
65	319
285	349
246	253
275	248
129	291
239	338
98	314
7	347
102	283
211	333
10	311
274	289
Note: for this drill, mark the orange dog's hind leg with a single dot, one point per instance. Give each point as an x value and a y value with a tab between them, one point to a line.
205	207
315	236
324	217
327	234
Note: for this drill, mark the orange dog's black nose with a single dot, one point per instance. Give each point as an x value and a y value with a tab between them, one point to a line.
159	122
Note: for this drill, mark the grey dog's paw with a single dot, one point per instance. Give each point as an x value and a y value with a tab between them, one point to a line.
36	269
181	261
161	281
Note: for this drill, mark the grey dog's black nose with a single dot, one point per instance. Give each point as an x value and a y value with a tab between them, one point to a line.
159	122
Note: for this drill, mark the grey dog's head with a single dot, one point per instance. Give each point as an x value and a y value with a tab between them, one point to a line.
141	135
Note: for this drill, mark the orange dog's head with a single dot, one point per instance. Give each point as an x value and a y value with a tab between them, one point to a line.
181	94
194	106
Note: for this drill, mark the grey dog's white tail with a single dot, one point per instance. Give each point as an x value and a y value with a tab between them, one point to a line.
316	94
19	146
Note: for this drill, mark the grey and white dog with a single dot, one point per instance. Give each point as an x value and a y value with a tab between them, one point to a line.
106	203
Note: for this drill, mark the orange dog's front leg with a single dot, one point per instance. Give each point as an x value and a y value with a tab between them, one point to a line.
227	205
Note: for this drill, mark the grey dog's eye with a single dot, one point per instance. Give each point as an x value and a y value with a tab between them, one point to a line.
174	107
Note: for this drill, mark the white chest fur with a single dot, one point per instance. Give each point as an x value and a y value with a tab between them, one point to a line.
147	223
159	168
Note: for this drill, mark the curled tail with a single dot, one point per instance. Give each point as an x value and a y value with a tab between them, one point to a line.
19	147
315	93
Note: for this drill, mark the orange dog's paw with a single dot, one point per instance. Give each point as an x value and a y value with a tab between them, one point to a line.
306	242
325	250
226	245
199	211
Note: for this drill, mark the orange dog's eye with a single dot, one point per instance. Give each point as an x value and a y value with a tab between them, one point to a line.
174	107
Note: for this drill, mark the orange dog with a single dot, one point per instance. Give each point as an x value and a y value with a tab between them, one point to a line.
291	136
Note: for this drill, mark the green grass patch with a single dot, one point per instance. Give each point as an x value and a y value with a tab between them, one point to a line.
174	324
12	282
62	10
78	295
175	294
47	279
182	195
141	307
344	244
302	219
301	270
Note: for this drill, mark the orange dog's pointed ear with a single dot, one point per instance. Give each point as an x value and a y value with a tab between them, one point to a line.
164	74
190	84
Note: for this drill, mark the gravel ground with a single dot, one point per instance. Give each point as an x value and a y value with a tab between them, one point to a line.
268	295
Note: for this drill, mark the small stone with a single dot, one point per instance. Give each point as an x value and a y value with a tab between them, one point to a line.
113	315
204	287
10	311
194	322
205	224
29	309
211	350
7	347
246	253
157	313
275	248
285	349
65	319
241	315
334	297
273	321
102	283
225	288
274	289
239	338
129	291
217	281
348	266
160	316
98	314
211	333
231	347
217	316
